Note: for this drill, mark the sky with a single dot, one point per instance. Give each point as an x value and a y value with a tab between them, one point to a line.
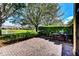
67	8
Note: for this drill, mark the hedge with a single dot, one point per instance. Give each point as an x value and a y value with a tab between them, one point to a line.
9	37
47	31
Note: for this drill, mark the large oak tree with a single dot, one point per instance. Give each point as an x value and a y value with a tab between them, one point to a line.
7	10
36	13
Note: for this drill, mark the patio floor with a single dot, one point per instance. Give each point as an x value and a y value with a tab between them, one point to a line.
37	47
32	47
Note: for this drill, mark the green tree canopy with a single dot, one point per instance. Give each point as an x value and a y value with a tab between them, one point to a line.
7	10
36	13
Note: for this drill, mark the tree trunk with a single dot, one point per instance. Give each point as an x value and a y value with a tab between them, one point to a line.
0	21
0	27
36	28
0	32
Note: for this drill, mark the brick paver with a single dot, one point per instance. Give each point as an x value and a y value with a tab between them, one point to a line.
32	47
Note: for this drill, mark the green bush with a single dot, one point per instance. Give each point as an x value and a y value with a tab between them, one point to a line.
48	31
18	36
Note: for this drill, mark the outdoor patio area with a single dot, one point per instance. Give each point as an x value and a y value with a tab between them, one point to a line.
42	29
36	47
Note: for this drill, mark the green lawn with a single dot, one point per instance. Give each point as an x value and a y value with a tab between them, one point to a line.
17	31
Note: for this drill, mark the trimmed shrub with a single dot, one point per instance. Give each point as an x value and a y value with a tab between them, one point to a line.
18	36
48	31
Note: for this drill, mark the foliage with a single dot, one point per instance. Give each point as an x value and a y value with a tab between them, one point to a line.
70	23
19	34
56	23
48	31
9	9
36	14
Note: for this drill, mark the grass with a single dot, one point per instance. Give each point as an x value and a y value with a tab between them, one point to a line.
17	31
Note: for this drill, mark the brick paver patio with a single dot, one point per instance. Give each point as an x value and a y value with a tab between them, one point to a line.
32	47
